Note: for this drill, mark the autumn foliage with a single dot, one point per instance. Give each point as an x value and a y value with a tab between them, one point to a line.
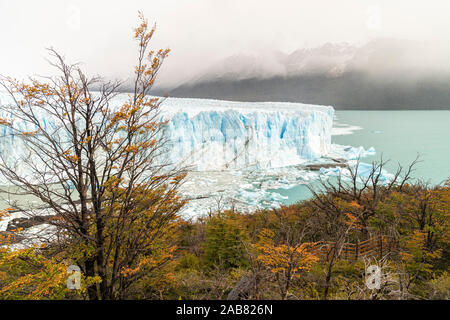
112	200
101	173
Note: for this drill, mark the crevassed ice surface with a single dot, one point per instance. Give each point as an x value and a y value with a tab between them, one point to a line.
219	135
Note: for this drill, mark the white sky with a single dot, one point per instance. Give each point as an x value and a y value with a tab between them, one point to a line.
199	32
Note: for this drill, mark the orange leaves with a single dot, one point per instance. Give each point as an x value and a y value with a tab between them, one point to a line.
86	100
164	52
355	205
141	31
124	114
36	94
70	157
352	221
139	70
127	272
8	237
5	212
113	183
283	258
155	63
5	122
35	90
177	179
30	133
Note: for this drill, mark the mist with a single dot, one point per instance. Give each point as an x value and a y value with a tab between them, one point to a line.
202	32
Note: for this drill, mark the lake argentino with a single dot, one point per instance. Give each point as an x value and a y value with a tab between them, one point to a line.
396	135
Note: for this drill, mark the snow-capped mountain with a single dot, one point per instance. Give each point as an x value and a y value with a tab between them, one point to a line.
328	59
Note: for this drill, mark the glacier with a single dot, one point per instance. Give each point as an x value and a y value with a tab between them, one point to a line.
211	135
238	153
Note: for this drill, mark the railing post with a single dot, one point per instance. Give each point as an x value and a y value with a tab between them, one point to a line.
381	247
356	250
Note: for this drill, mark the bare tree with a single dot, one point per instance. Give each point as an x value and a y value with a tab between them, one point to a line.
364	193
367	190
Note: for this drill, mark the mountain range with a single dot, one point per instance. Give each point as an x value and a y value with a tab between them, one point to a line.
381	74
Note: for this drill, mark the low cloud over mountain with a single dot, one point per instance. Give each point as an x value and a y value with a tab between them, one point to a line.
382	74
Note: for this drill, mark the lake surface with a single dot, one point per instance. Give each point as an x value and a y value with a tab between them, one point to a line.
399	136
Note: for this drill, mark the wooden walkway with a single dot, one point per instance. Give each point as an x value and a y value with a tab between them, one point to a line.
375	247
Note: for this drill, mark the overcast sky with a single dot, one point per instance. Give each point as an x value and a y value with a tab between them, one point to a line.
200	32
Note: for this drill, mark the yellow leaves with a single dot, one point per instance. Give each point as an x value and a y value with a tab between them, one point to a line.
266	237
31	275
113	183
407	257
416	249
87	140
418	238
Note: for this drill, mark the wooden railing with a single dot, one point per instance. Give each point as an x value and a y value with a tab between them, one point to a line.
377	247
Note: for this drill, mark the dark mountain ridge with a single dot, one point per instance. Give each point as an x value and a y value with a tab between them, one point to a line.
383	74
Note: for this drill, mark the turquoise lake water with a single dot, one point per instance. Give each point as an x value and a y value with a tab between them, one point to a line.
399	136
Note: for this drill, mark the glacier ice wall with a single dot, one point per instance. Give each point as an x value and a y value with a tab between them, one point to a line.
219	135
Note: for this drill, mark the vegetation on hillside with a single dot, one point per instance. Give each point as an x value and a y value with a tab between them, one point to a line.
295	252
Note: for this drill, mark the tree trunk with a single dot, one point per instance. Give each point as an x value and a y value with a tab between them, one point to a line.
89	267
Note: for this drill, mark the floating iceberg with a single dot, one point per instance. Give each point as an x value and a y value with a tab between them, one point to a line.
349	152
362	169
